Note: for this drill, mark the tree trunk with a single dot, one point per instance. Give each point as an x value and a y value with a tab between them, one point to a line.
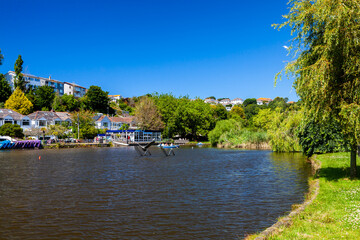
353	161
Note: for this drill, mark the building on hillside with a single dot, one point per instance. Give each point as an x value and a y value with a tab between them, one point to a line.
13	117
114	98
65	117
237	101
225	101
43	119
291	102
34	81
59	87
211	101
262	101
74	89
113	123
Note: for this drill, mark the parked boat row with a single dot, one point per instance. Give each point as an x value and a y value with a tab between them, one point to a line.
9	143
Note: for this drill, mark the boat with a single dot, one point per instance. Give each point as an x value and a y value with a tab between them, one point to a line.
10	143
199	144
168	146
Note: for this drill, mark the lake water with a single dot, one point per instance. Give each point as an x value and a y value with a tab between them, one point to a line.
112	193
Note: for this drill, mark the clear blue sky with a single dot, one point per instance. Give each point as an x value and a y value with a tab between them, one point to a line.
198	48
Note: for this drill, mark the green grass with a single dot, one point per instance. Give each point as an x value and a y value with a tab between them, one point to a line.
335	213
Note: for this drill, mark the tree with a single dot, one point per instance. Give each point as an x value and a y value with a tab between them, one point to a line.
19	81
237	112
220	112
327	62
19	102
84	120
69	102
5	89
57	105
12	130
147	115
249	101
98	100
44	97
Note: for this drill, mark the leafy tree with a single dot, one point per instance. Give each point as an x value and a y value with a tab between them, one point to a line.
19	78
211	97
83	119
57	104
167	105
12	130
220	112
19	103
279	102
5	89
147	115
283	131
320	137
57	130
193	119
249	101
251	110
44	97
263	119
222	127
124	127
237	112
326	69
98	100
69	102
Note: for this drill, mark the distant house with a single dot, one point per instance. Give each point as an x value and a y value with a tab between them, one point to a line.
40	119
211	101
65	117
74	89
113	123
262	101
237	101
291	102
225	101
114	98
10	116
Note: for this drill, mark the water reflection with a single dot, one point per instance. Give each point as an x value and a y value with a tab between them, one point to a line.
112	193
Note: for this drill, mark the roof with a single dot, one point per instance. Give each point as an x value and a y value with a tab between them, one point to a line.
63	115
114	95
48	115
122	119
33	76
74	85
225	100
237	99
264	99
9	112
291	102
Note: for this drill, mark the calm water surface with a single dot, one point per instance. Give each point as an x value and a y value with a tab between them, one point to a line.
112	193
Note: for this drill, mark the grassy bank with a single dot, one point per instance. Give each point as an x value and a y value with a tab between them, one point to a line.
75	145
335	213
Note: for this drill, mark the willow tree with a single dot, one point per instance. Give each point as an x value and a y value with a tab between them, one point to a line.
326	49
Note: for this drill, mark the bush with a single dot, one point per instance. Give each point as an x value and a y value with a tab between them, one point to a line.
11	130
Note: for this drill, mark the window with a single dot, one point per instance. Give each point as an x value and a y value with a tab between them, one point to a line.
42	123
105	124
57	122
26	122
8	121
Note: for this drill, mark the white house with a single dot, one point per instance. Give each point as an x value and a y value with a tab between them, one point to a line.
74	89
211	101
262	101
113	123
237	101
225	101
114	98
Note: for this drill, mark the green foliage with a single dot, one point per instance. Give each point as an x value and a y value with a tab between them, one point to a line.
19	81
83	119
327	61
88	132
279	102
97	100
237	112
125	107
283	131
211	97
19	103
321	137
124	127
263	119
147	114
249	101
251	110
12	130
219	112
57	130
69	102
5	89
57	105
44	97
222	127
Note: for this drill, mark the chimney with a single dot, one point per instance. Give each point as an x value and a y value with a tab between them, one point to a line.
50	77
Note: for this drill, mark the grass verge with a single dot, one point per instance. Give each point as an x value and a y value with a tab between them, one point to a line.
335	213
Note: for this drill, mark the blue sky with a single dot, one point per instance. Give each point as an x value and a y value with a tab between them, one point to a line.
191	47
